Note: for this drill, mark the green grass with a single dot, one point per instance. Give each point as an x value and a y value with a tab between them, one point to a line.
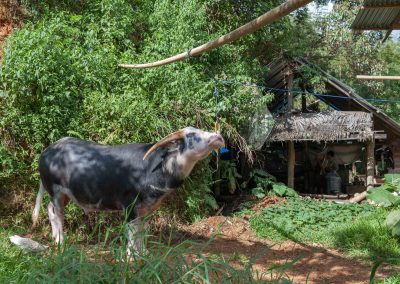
357	230
394	279
107	262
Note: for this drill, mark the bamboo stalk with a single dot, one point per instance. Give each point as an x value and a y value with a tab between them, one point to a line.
265	19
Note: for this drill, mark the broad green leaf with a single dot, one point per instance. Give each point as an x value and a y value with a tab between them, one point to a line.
393	222
382	196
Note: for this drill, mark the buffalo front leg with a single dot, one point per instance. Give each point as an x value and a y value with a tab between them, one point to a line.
136	236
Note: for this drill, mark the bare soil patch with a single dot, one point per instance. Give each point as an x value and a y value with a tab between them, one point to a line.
233	238
11	16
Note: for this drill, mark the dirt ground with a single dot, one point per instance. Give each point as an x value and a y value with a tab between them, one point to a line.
12	15
235	240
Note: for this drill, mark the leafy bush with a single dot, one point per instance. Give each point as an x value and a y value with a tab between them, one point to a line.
60	77
305	219
228	173
267	184
387	195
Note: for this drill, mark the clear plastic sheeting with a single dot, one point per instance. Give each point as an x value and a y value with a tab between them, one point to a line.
259	127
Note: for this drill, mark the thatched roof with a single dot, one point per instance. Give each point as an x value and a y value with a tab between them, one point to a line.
324	126
344	97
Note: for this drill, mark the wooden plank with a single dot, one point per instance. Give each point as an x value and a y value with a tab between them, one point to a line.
325	196
380	136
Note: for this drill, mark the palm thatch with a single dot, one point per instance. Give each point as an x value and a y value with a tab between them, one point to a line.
324	126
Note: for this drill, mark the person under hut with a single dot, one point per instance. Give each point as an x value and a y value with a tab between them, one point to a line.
332	178
383	160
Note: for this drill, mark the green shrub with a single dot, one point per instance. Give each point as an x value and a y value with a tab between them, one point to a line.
302	219
59	76
266	183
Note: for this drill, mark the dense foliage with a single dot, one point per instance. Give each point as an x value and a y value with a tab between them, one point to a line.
59	76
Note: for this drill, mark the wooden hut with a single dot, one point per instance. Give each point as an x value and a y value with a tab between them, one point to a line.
348	122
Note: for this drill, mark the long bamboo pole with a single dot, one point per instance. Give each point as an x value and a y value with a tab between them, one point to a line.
265	19
373	77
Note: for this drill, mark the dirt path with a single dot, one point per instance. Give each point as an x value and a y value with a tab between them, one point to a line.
236	241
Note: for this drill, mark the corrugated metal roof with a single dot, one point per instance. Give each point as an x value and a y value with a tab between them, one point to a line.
378	14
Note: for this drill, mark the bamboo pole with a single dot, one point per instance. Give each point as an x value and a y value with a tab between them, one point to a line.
376	77
265	19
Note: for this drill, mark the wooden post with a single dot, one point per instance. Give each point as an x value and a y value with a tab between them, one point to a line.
306	166
291	163
291	151
370	164
370	171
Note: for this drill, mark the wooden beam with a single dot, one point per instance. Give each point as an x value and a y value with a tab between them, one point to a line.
395	26
380	136
289	81
377	77
275	14
387	35
359	197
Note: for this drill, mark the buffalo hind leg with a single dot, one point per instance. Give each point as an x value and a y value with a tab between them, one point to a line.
56	216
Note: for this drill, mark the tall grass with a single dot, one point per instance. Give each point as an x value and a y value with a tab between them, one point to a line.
108	262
